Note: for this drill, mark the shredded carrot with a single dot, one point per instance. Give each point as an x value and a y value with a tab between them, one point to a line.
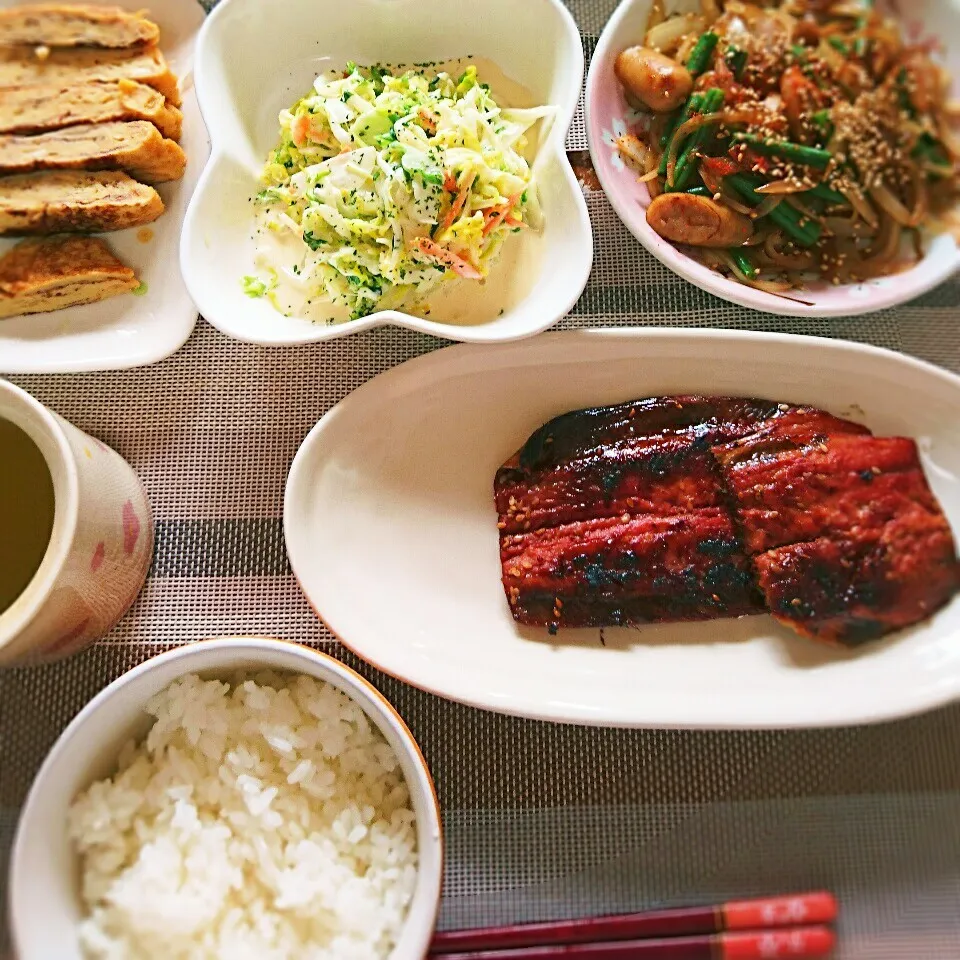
496	215
447	258
300	130
428	120
456	208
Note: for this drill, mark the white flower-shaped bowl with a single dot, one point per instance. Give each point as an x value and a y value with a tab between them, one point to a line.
609	115
255	58
44	898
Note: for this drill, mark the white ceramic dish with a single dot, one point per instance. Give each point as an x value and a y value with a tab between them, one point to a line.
128	331
391	530
608	115
254	59
44	901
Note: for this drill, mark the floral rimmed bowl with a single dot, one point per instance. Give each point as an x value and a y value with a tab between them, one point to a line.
609	116
254	59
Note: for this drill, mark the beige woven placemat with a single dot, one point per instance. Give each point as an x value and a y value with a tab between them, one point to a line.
541	820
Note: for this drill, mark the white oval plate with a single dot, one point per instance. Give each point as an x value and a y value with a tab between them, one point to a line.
128	331
391	530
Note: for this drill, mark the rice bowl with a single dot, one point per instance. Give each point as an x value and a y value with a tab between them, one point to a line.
265	814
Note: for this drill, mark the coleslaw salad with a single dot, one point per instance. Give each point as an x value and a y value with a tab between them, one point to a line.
395	184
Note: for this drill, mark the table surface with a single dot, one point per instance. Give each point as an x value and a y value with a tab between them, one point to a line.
541	820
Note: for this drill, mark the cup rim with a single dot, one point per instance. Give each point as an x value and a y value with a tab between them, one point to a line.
66	491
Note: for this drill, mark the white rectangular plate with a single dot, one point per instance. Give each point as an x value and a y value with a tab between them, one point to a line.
128	331
391	529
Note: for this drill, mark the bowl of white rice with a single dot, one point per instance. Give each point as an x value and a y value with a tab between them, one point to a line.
239	798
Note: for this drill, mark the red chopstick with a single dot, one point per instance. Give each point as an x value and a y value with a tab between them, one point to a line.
788	911
808	943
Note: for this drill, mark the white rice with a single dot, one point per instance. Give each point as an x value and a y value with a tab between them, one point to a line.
264	818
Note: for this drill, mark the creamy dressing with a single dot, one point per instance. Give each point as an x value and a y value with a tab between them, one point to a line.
457	301
279	252
472	302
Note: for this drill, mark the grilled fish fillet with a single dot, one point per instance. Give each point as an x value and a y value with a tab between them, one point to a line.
639	568
136	147
75	201
847	538
618	515
689	508
55	105
20	67
68	25
52	273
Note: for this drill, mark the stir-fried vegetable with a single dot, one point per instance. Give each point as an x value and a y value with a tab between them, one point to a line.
744	264
805	231
813	121
686	164
808	156
694	105
700	56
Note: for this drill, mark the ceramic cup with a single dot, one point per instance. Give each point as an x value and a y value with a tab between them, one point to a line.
100	546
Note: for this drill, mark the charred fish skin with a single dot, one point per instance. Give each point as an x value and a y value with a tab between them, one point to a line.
616	571
847	591
666	476
692	508
581	431
649	455
847	538
616	516
822	488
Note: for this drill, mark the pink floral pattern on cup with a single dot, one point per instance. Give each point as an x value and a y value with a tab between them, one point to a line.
131	528
64	643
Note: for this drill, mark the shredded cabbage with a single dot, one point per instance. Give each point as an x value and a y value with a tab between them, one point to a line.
397	184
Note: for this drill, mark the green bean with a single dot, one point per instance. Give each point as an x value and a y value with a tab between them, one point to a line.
802	229
743	261
693	105
903	95
699	191
822	192
805	231
838	44
699	58
797	152
686	162
929	148
668	128
821	119
736	61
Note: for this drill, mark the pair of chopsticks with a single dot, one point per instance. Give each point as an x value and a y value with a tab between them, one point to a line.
778	927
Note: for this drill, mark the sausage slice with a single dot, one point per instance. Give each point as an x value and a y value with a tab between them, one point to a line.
697	221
